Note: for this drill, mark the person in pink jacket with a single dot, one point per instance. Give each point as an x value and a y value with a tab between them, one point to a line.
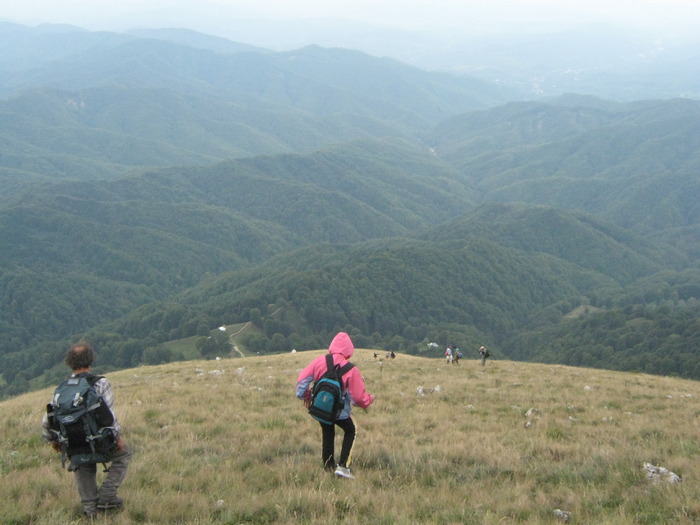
341	348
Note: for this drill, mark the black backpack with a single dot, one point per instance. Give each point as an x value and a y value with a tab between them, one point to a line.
82	422
328	393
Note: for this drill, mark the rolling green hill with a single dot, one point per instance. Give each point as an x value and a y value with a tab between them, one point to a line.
635	164
109	103
120	244
401	293
155	187
574	237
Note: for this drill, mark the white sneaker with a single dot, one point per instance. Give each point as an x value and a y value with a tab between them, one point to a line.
343	472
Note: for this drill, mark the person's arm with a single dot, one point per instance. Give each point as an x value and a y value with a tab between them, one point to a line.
47	435
304	380
356	388
103	388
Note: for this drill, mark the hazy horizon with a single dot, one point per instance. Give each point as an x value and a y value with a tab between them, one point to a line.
542	46
281	24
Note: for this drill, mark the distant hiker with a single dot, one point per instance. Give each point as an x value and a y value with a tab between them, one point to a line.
393	355
71	440
448	354
484	354
457	355
353	393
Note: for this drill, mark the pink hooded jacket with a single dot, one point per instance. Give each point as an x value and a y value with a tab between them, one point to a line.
341	349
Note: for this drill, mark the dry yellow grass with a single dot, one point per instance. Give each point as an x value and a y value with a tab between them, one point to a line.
227	442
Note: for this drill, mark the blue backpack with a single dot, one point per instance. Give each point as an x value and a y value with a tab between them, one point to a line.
81	422
328	393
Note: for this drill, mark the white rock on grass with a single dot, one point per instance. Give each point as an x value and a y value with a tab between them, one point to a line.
660	474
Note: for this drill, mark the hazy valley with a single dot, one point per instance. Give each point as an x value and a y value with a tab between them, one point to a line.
154	189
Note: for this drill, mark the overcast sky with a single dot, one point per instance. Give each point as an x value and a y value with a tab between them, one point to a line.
661	14
468	17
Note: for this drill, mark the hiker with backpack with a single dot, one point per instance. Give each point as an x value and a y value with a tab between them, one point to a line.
337	385
484	355
448	354
80	423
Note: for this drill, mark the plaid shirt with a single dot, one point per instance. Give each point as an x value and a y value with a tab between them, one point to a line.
103	388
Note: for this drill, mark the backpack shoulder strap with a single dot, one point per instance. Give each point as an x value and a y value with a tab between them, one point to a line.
340	370
90	378
329	362
345	368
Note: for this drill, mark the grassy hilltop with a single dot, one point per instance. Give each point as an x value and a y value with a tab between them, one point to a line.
226	442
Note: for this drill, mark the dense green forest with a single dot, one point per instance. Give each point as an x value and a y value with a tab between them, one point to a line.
319	190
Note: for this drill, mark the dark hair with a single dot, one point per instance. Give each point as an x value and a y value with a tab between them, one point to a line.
81	355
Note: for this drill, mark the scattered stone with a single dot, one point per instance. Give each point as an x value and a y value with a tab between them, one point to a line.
563	515
422	391
660	474
533	411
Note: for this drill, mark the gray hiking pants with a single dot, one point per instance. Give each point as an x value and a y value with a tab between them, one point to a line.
86	480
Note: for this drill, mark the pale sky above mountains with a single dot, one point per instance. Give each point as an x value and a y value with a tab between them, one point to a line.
419	32
214	16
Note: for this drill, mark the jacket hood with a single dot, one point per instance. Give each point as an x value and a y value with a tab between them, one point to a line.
342	345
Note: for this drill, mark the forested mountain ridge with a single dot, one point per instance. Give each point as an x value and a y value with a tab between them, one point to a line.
635	164
111	102
143	237
318	190
572	236
402	293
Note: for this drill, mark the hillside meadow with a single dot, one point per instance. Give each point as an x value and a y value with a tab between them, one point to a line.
226	442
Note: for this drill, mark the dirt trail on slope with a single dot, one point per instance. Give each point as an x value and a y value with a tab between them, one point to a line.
232	338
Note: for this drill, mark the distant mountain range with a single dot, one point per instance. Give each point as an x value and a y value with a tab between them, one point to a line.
156	185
